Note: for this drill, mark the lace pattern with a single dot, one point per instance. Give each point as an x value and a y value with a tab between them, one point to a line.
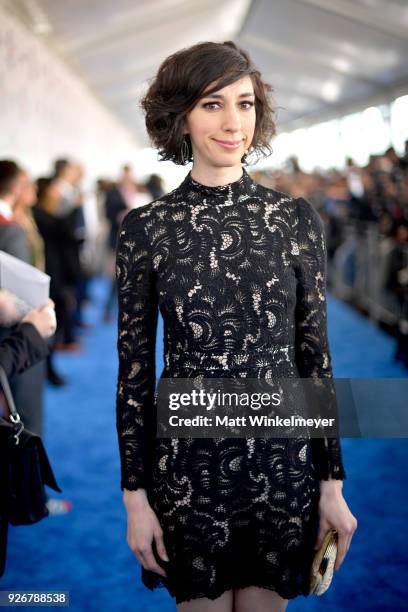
238	272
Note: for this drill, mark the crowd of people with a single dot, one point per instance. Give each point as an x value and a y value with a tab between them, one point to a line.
116	199
45	223
372	197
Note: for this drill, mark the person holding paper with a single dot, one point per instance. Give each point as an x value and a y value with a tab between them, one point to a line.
26	344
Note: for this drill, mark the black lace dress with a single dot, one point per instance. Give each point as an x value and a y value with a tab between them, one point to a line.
238	272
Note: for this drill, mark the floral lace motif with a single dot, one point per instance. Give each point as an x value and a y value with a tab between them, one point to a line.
238	272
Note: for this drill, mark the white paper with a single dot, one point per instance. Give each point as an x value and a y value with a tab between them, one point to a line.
26	282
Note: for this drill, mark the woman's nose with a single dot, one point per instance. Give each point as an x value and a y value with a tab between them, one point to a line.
231	119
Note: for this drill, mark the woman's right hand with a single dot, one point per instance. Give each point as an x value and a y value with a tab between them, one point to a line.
143	528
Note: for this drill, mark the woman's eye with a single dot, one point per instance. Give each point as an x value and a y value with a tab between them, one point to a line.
248	104
208	104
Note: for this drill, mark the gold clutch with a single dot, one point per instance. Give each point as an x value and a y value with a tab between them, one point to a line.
322	569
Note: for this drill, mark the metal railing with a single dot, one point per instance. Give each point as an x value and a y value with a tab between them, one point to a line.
359	272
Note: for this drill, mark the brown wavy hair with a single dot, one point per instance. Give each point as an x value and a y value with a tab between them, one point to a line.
181	81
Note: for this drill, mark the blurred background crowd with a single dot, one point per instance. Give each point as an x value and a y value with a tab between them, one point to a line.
365	211
53	224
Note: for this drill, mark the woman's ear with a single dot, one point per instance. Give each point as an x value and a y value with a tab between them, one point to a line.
184	126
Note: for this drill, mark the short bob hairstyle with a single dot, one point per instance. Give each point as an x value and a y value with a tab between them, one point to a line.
181	81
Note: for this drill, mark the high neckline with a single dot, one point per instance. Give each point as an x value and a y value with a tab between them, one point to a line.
228	193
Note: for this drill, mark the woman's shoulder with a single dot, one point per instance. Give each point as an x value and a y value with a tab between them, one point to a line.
308	215
281	203
303	215
299	203
141	215
269	194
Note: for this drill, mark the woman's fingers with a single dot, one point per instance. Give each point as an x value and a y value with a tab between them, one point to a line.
161	550
149	562
323	529
144	532
341	549
343	544
334	513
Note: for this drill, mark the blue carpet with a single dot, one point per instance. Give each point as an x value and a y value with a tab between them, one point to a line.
85	552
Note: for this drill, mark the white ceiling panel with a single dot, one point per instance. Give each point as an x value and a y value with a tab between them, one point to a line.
323	57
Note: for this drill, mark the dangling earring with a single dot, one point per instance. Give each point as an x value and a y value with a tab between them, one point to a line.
185	152
246	158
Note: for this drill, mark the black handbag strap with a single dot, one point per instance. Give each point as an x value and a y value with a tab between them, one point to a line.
14	416
27	438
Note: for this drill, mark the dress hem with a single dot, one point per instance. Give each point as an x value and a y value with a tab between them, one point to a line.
212	595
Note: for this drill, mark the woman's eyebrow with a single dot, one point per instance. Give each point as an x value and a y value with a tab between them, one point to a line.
221	97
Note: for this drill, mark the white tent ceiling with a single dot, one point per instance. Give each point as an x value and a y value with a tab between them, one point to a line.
323	57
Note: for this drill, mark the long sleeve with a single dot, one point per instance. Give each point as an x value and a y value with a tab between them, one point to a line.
137	326
21	349
313	356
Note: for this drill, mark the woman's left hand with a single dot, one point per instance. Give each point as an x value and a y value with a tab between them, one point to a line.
334	513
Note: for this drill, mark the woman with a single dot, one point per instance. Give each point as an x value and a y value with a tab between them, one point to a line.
22	214
238	273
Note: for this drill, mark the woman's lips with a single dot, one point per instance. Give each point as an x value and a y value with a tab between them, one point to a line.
228	145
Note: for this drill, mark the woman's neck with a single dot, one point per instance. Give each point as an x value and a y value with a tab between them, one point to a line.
215	176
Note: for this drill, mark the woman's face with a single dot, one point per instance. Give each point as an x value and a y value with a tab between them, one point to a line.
222	125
